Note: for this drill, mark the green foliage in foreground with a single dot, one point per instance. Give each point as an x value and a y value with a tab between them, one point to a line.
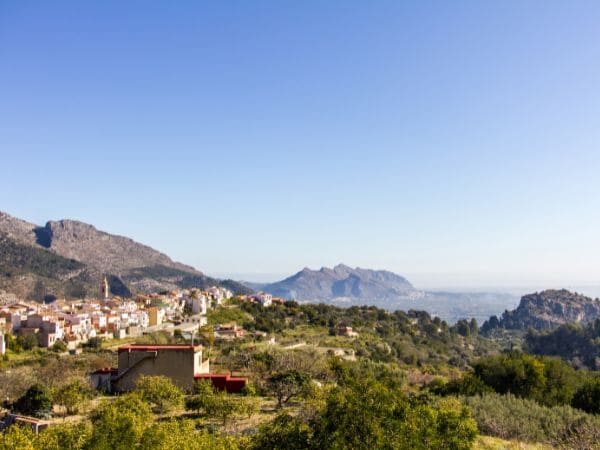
366	414
168	435
371	415
160	393
509	417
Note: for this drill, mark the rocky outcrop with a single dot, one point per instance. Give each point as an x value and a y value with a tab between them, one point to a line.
546	310
106	252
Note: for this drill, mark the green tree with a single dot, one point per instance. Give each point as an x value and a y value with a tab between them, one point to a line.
27	341
561	382
286	385
12	343
587	397
203	398
37	401
94	343
64	437
226	406
120	424
59	347
369	415
160	392
183	435
17	438
549	381
285	432
73	396
474	327
207	335
219	404
463	328
517	373
468	385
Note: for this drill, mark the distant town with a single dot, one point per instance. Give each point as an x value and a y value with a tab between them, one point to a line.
74	323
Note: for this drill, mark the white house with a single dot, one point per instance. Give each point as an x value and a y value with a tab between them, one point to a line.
264	299
199	305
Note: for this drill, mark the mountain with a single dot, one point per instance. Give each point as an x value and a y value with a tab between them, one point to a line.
69	258
546	310
341	282
345	286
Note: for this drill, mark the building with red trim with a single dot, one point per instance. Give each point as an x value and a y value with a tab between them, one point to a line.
183	364
224	382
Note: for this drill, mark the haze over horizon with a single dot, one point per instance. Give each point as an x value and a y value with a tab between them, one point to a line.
457	149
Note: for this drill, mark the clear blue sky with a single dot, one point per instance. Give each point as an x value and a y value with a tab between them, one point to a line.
436	139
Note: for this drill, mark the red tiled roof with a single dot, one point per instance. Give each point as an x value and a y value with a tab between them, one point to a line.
153	348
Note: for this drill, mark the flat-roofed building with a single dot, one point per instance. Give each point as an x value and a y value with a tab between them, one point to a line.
178	362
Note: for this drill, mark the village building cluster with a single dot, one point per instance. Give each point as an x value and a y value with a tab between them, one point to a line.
75	322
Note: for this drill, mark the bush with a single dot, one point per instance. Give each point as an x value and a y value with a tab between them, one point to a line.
37	401
59	347
27	341
73	396
468	385
547	380
587	396
94	343
509	417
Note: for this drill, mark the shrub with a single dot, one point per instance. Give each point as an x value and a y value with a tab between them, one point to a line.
59	347
468	385
73	396
37	401
587	396
509	417
546	380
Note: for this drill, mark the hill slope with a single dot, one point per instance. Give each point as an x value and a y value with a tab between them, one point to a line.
69	258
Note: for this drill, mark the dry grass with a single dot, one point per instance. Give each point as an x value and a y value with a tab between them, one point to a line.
492	443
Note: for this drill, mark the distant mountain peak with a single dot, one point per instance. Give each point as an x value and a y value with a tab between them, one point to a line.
342	281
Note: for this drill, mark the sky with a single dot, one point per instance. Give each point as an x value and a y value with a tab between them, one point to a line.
456	143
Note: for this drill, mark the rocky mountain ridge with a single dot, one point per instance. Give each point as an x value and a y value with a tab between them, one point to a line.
69	258
341	282
546	310
346	286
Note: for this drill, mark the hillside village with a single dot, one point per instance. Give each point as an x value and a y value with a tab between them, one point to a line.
73	323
